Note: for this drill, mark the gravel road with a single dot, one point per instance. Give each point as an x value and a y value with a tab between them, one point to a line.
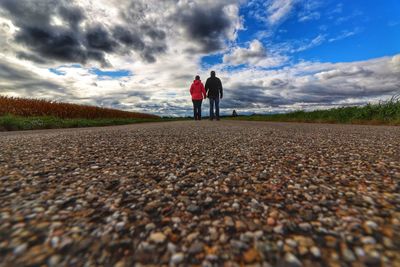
225	193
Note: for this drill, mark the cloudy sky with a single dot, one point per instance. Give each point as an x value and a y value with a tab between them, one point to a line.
142	55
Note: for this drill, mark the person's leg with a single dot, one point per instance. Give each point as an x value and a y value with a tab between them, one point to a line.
198	103
194	109
217	108
199	111
211	108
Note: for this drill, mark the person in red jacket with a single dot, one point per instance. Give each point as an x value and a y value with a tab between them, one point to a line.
198	93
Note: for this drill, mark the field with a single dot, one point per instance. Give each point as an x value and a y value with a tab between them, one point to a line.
30	114
36	108
384	113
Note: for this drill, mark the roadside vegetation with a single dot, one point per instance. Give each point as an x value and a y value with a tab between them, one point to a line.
30	114
383	113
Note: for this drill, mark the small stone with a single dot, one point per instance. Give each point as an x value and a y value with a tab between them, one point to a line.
229	222
20	249
158	237
292	260
240	226
54	260
236	206
305	226
316	208
348	255
177	258
291	242
192	236
119	226
150	226
251	256
303	250
368	240
196	248
208	200
193	208
315	252
371	224
331	241
369	200
171	247
278	229
271	221
95	167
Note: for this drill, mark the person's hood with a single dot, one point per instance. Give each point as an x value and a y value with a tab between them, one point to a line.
197	81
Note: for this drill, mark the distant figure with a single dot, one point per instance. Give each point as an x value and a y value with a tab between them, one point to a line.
234	114
214	93
198	94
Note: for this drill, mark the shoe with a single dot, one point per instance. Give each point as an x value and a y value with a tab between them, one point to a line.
217	119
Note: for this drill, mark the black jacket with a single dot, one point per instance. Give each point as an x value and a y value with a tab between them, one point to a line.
214	87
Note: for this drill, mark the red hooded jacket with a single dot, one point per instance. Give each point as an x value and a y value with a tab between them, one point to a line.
197	90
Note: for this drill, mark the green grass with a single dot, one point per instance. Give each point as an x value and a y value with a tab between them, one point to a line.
15	123
384	113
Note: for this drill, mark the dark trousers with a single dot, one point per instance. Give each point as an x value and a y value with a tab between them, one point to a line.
197	109
214	102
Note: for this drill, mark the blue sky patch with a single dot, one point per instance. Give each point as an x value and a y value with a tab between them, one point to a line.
112	74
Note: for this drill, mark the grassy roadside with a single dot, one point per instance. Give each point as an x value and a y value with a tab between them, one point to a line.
385	113
17	123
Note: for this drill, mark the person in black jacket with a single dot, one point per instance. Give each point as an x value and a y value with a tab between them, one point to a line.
214	93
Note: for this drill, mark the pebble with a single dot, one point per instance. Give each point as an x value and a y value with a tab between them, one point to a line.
271	221
278	229
177	258
292	261
150	226
189	194
305	227
348	255
315	252
196	247
158	237
193	208
368	240
20	249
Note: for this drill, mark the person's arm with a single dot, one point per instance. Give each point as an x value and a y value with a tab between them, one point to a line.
203	90
207	86
221	91
191	89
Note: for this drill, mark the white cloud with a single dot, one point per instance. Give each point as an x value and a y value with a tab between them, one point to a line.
396	62
254	55
313	43
279	10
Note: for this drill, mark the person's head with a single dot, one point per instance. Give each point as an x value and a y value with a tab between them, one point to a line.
197	78
212	73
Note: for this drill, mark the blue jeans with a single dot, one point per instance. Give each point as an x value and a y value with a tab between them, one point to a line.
197	109
214	101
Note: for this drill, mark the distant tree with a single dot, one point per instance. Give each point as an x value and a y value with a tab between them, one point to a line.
234	114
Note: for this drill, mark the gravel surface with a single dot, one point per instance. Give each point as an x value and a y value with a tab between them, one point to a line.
201	193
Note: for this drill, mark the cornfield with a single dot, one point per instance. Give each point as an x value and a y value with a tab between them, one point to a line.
37	107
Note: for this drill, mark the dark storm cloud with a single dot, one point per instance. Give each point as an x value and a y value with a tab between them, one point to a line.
31	57
72	42
25	82
98	38
205	25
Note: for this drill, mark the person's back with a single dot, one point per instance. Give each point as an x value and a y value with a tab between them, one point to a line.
214	93
197	92
214	87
